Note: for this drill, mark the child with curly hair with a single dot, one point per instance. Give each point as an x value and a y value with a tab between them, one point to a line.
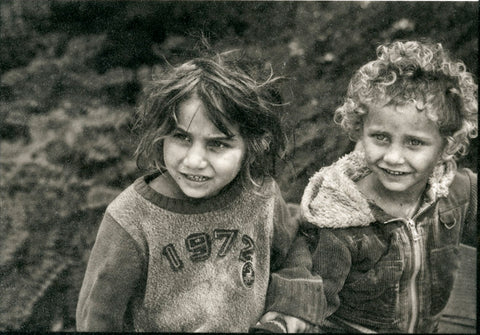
190	246
378	251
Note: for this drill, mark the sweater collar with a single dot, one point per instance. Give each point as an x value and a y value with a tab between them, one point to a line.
187	206
332	199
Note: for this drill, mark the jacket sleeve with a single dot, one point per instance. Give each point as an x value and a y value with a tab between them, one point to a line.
470	226
285	226
307	287
112	277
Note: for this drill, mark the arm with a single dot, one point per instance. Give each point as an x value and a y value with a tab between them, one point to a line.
113	273
470	226
313	275
285	225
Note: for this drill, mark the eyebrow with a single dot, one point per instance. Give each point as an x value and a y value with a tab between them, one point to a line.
372	130
409	136
419	137
214	138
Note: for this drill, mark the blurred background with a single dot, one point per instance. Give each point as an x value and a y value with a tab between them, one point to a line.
71	73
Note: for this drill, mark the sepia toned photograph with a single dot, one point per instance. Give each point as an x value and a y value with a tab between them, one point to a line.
238	166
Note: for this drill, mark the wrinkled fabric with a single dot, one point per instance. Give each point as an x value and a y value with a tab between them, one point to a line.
351	266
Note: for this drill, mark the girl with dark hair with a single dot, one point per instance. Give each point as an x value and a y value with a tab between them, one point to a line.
190	246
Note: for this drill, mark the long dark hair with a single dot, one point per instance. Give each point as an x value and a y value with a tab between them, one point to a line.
229	95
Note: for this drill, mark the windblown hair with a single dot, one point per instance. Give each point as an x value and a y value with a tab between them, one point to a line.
419	73
230	96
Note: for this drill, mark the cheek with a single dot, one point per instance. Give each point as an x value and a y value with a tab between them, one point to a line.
171	152
427	163
372	153
231	163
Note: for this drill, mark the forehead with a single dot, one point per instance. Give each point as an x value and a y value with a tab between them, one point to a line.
405	118
192	116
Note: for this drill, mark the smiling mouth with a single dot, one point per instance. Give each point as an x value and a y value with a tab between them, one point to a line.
196	178
394	173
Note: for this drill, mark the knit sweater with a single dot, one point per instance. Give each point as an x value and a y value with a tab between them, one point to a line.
163	264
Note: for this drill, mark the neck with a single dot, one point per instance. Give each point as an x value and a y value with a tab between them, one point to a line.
165	185
399	204
409	197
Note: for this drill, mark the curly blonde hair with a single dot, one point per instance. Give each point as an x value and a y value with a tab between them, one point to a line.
421	73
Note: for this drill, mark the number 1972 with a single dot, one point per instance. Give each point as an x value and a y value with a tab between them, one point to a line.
199	245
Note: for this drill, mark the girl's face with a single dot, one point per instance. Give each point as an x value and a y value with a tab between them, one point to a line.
402	146
201	159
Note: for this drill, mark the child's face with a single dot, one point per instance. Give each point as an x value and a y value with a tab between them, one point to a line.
200	158
402	147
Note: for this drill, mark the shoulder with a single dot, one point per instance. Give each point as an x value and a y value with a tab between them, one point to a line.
268	188
126	200
464	180
132	212
129	208
466	175
463	186
261	197
135	197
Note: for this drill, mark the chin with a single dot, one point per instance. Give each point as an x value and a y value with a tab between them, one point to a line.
393	187
196	194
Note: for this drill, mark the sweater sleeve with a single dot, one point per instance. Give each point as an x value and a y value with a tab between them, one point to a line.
313	275
285	225
112	277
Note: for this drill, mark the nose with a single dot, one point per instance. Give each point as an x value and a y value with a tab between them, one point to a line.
394	155
195	157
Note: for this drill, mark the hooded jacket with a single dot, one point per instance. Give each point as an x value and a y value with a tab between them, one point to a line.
354	267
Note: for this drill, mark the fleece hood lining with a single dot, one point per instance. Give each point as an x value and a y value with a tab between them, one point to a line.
332	199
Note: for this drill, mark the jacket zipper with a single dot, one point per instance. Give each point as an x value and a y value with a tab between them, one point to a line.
417	262
416	259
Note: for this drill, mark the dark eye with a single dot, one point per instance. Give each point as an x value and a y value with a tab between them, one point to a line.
218	144
180	136
380	137
415	143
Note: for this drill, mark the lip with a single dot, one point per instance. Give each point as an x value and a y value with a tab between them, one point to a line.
394	173
195	178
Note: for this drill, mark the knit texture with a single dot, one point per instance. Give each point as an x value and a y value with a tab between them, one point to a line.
205	270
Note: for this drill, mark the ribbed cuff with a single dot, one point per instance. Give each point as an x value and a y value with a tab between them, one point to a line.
298	297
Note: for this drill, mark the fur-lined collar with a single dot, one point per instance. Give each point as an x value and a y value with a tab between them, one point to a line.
332	199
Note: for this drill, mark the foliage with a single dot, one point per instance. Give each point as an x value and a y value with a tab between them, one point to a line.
71	73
